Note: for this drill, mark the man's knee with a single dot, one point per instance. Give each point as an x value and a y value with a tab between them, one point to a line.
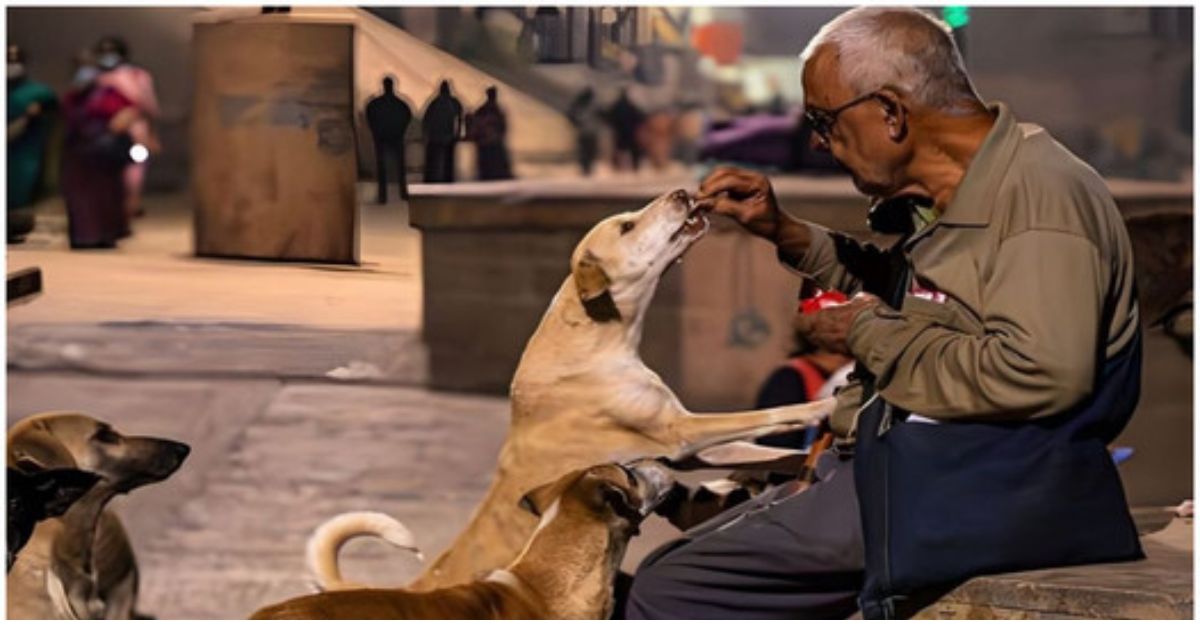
656	585
648	594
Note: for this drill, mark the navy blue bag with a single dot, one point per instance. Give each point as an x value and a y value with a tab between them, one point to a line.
941	503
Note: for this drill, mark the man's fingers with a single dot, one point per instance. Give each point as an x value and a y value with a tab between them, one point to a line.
732	181
803	323
726	181
723	205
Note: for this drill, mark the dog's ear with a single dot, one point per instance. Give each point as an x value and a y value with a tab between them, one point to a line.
539	499
58	489
27	464
617	498
592	284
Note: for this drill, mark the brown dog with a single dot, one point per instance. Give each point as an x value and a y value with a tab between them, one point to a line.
81	565
582	396
565	571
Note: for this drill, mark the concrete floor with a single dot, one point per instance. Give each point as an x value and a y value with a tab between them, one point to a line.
297	385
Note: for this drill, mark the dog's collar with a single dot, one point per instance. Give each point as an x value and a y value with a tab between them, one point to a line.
632	514
602	307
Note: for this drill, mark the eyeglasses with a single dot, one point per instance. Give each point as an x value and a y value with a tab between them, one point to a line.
822	120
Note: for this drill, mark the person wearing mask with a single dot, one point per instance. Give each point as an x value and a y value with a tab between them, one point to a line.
98	121
137	86
31	107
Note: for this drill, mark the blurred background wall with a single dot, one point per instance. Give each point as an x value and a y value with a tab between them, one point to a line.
1113	83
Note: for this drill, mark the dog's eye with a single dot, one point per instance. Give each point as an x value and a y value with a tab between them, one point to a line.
627	226
107	436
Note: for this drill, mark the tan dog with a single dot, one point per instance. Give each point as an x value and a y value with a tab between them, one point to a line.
565	571
81	565
581	395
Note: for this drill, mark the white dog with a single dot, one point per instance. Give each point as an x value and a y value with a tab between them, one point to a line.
581	396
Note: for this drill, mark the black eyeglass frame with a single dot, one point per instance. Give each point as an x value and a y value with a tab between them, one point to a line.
821	120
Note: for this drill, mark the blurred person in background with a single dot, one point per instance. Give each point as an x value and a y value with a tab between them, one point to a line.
388	117
442	124
689	129
805	377
586	117
137	86
31	106
656	138
96	150
488	128
625	118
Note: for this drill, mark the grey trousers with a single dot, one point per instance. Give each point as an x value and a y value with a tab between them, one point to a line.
797	556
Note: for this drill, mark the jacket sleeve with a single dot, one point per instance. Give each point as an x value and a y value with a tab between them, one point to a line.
1037	356
834	260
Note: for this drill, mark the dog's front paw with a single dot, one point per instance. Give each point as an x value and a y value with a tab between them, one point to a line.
807	414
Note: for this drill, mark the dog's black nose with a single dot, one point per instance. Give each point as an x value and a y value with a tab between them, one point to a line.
682	196
178	451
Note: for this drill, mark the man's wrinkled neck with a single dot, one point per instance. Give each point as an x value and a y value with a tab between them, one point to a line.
941	159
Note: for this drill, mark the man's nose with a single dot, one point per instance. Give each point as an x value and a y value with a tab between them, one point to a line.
816	143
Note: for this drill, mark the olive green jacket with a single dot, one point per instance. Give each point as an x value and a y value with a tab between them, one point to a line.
1023	286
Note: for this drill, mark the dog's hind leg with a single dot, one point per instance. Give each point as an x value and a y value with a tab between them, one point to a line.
700	431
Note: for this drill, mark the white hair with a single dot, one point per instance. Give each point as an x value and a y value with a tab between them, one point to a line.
902	48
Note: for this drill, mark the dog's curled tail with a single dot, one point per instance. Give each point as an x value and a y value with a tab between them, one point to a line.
327	540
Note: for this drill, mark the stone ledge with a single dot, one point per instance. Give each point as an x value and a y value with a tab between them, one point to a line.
579	203
1158	587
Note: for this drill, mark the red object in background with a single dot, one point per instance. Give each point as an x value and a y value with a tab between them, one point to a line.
720	40
821	300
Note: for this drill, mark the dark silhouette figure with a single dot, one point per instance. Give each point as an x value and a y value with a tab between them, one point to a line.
625	118
587	119
388	117
488	128
442	124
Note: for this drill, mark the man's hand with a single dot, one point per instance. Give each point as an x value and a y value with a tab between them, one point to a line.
829	327
745	196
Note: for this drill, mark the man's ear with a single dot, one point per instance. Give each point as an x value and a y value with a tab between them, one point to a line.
896	115
58	489
592	284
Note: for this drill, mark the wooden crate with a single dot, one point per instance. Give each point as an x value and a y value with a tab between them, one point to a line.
273	158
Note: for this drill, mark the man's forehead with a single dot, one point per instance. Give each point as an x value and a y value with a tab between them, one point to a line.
821	79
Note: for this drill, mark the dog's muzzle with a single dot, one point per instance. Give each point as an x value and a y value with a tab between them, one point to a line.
654	482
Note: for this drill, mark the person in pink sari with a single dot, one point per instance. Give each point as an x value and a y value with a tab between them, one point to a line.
137	86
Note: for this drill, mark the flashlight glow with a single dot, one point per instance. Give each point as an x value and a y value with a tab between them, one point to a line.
139	153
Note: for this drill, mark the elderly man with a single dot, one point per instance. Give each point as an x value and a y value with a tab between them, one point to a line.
1003	356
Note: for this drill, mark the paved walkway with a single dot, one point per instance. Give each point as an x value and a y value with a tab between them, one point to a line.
153	275
298	387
